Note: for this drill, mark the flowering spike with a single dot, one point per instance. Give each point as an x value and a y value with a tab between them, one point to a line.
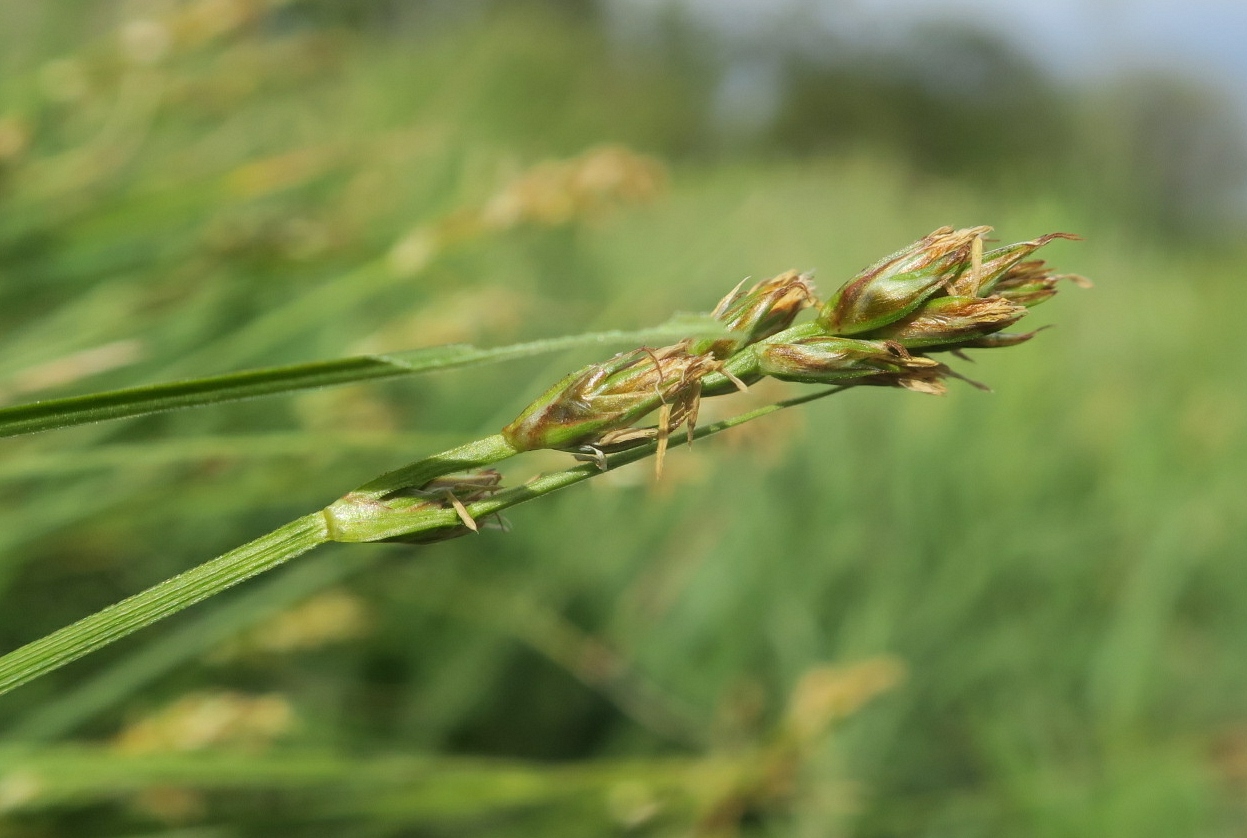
768	307
951	320
599	402
890	289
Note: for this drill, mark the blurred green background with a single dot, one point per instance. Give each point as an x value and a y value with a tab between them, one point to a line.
1022	613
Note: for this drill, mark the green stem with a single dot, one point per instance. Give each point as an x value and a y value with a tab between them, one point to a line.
356	517
131	614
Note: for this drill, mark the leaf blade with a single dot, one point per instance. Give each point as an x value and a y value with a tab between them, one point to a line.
130	402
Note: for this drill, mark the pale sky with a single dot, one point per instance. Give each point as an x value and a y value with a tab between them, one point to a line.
1071	38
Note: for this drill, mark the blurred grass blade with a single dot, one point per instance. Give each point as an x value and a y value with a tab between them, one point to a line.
156	398
397	787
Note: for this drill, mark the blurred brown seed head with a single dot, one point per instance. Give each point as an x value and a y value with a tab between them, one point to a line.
19	788
204	20
550	194
199	721
331	617
14	138
557	192
827	694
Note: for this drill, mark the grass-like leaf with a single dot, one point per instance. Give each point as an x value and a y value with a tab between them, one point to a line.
52	414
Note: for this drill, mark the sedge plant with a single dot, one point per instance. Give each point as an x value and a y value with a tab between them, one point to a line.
887	326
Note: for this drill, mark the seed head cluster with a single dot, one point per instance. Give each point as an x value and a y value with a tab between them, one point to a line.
942	293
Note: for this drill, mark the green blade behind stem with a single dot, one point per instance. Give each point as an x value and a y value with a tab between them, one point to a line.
67	710
117	621
52	414
169	597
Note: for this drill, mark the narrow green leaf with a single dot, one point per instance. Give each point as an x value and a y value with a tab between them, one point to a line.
156	398
63	713
156	453
169	597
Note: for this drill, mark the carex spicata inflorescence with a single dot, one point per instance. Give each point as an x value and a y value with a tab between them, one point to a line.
942	293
